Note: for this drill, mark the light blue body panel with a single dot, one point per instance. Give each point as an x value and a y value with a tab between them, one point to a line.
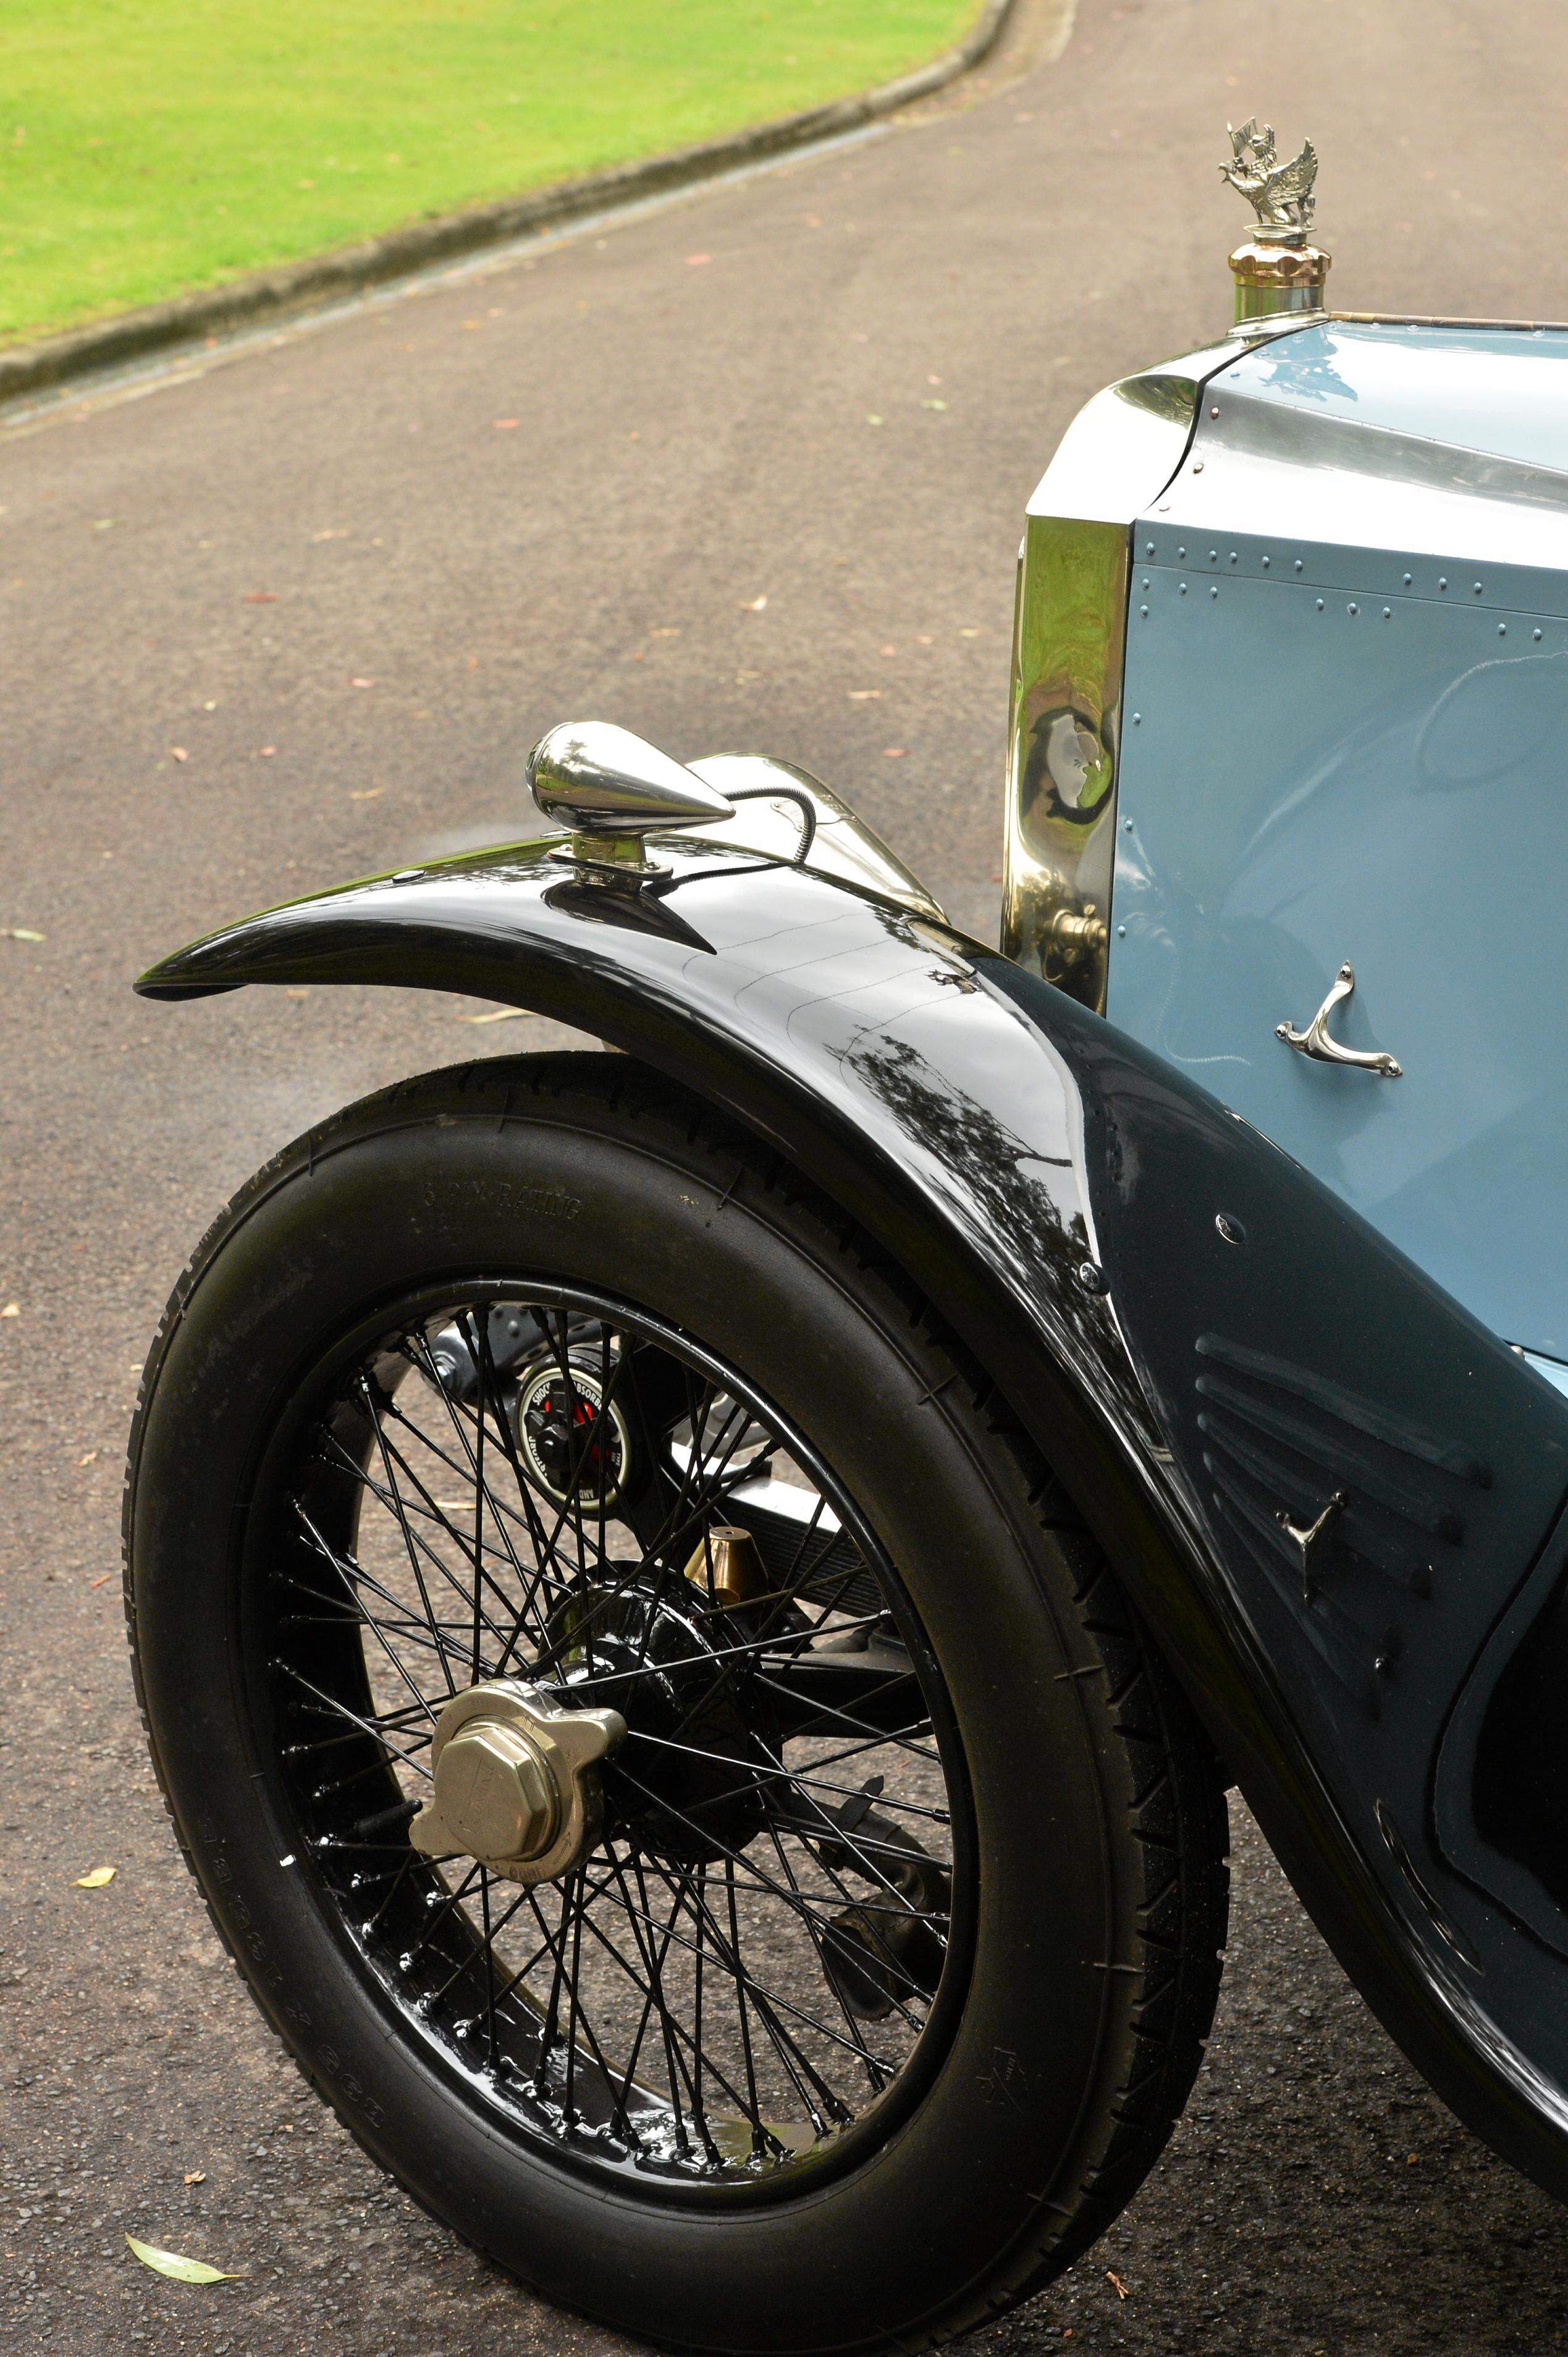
1346	738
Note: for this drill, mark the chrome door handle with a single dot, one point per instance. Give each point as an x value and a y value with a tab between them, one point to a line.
1315	1040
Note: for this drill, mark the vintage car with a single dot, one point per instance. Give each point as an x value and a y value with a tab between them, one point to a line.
696	1608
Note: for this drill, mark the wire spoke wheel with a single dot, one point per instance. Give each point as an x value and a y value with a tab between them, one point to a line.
651	1729
745	1961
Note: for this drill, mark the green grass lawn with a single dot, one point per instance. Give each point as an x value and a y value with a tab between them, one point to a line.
148	146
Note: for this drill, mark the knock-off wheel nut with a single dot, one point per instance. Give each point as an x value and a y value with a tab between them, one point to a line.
515	1785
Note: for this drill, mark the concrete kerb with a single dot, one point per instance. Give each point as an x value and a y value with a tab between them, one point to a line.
327	278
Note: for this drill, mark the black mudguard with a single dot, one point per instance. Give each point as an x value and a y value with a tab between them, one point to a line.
1335	1497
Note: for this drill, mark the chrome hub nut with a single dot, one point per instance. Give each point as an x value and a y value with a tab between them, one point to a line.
515	1785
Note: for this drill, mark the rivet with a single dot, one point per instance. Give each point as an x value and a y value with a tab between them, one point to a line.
1502	629
1537	635
1408	579
1388	613
1120	933
1137	719
1214	557
1091	1278
1232	556
1443	581
1127	827
1182	554
1320	605
1477	588
1298	564
1213	410
1144	611
1230	1229
1143	584
1182	586
1198	466
1353	607
1265	564
1213	591
1148	548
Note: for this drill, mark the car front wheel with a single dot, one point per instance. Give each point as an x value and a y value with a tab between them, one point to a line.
652	1733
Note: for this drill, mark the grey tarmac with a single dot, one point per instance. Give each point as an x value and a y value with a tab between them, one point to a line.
297	616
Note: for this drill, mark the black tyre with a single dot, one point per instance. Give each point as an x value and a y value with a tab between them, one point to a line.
877	1959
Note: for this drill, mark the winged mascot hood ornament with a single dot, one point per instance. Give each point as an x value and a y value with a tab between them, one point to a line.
1279	194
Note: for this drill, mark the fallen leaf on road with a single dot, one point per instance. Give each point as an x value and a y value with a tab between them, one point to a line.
971	634
95	1880
361	683
1117	2286
90	1458
260	597
22	933
933	379
267	749
12	1309
108	1576
496	1014
893	752
694	261
195	2177
933	404
329	536
863	694
872	419
887	650
169	2263
104	523
505	425
297	990
666	630
365	793
177	753
753	605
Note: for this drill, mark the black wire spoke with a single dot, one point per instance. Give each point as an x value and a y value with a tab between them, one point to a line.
742	1964
764	1882
376	1631
462	1469
878	2073
475	1456
366	1726
876	1735
722	1955
396	1503
419	1544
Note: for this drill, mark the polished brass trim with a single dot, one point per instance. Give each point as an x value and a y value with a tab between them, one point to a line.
1278	274
514	1780
1436	319
1068	647
1069	653
1278	281
727	1567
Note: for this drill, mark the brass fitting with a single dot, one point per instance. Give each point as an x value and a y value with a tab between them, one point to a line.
738	1575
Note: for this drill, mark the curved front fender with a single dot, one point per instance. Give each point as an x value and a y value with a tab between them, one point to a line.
1210	1349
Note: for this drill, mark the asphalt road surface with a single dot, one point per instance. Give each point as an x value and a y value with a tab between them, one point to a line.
297	615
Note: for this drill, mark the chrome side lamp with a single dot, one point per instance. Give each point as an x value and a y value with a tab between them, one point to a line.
610	789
